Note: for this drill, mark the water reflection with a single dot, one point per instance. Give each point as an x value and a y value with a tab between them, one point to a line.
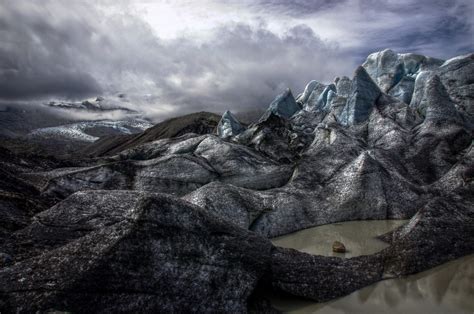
448	288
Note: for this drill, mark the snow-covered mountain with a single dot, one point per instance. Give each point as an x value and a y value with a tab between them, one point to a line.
90	131
111	103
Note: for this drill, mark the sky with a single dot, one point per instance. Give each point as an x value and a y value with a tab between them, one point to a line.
184	56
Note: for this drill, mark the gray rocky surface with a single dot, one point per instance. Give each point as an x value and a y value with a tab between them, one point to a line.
395	73
364	93
172	220
229	126
126	251
284	106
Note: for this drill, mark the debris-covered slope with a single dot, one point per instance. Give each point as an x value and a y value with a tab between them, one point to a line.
177	217
200	123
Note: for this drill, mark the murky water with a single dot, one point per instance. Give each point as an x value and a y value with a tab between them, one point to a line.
448	288
357	236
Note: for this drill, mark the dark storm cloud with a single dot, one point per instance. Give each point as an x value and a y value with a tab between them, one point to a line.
297	7
55	49
77	49
248	66
42	82
438	28
37	54
71	49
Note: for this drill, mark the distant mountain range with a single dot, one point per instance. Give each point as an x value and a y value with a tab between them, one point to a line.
99	104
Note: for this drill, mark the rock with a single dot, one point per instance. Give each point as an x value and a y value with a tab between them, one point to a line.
312	102
413	246
305	121
159	168
387	126
197	123
229	202
457	75
338	247
311	87
283	106
438	104
95	235
442	230
385	68
229	126
395	73
388	68
241	166
5	260
271	137
404	89
442	135
419	90
435	235
325	98
343	87
19	199
364	93
127	251
336	180
321	278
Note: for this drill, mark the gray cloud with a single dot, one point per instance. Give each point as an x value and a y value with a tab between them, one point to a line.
77	49
58	51
246	67
439	28
296	7
38	55
54	48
